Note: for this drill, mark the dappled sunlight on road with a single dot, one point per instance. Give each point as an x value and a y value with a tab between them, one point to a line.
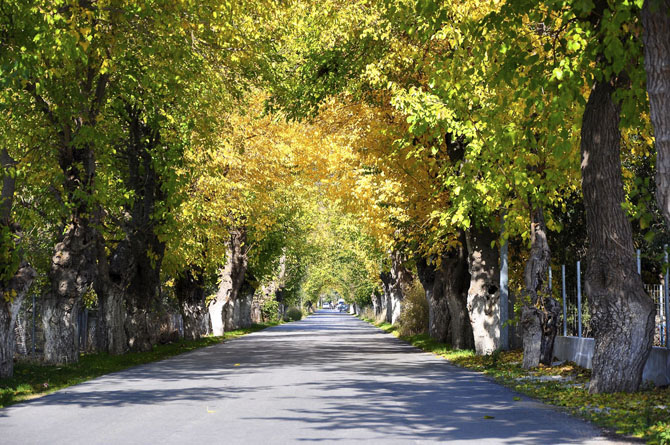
329	377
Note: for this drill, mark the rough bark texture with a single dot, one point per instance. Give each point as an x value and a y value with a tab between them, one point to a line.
656	22
401	281
385	306
143	292
232	277
190	291
73	266
622	314
110	287
540	316
15	290
237	311
457	281
376	298
484	291
433	283
73	269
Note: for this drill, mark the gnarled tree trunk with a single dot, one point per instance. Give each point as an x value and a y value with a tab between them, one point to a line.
244	301
143	293
143	305
454	269
16	289
484	291
432	280
401	281
622	314
656	22
386	305
376	298
232	277
190	291
540	316
110	286
73	269
73	266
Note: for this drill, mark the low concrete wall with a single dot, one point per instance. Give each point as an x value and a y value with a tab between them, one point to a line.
580	351
574	349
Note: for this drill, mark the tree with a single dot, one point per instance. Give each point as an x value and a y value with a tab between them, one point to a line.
622	314
656	22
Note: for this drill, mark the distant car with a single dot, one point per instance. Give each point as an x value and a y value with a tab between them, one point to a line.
326	305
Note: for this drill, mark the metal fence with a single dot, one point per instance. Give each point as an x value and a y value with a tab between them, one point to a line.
576	314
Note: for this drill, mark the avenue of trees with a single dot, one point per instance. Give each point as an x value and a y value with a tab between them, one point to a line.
211	151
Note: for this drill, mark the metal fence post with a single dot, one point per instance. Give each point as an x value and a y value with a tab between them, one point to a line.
661	311
565	307
639	263
579	299
665	298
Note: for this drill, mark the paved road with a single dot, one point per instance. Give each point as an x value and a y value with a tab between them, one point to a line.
328	378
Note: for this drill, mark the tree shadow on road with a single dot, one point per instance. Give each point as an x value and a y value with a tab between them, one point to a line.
367	383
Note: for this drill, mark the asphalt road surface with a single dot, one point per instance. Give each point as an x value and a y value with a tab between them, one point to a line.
329	378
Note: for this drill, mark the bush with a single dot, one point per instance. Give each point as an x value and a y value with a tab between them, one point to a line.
270	310
293	314
413	319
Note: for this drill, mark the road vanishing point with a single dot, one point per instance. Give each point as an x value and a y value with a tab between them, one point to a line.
330	378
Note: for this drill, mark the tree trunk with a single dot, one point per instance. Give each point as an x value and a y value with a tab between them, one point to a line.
190	291
457	279
484	291
139	328
656	22
246	299
110	332
232	276
386	297
540	315
376	298
622	314
110	286
143	294
400	283
16	288
434	286
73	268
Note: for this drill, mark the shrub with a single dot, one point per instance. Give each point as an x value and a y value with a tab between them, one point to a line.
413	319
293	314
270	310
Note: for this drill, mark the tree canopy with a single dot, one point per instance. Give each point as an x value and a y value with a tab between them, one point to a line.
300	148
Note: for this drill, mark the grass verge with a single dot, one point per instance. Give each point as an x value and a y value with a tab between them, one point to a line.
34	380
644	414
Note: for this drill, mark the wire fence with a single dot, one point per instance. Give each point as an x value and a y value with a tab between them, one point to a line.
576	311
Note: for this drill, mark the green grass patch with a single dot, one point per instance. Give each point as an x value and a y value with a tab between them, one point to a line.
644	414
32	380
